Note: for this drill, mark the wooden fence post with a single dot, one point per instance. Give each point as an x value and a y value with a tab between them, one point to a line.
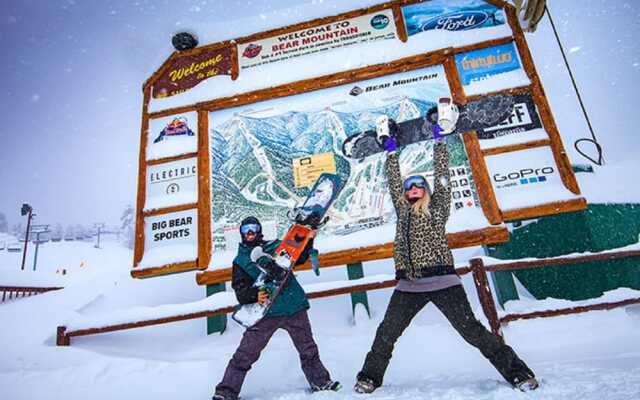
61	336
355	271
485	296
217	323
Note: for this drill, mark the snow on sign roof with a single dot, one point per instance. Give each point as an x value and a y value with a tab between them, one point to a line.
371	37
243	110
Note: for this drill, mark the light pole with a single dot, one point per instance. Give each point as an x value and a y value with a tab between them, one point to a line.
26	209
98	226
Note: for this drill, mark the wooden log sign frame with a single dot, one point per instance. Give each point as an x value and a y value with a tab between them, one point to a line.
445	57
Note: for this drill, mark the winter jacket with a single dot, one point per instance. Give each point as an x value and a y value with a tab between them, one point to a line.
420	248
291	299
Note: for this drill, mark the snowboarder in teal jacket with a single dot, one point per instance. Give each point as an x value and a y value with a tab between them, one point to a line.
289	312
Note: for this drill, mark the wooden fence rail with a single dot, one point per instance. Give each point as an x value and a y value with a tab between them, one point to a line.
476	268
23	291
486	299
63	336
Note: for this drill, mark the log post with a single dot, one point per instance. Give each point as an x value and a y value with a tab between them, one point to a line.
485	296
61	337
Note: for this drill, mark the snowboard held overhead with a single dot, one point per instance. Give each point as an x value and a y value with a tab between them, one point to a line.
479	114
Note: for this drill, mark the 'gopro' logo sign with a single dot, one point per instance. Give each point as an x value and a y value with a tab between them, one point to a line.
524	176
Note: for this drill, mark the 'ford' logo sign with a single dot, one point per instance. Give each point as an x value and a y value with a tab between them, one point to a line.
459	21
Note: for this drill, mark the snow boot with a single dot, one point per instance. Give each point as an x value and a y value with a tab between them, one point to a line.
220	396
527	385
333	386
364	386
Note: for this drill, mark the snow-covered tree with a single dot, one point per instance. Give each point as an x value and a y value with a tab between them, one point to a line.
79	231
57	232
69	233
127	227
17	230
4	226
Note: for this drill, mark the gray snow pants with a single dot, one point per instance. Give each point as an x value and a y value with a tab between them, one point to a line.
255	339
453	303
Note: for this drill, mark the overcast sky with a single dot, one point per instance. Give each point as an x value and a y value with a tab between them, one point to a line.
72	73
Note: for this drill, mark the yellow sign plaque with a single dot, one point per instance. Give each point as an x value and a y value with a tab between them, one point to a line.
306	170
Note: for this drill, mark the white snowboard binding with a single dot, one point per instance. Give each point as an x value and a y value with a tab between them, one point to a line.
382	128
282	260
448	115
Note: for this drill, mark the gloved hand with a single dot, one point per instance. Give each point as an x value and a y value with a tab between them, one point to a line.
390	145
266	292
263	296
437	133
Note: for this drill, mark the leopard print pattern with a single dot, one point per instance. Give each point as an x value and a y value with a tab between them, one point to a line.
421	243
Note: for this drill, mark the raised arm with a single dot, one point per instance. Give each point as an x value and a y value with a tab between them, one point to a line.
441	198
392	168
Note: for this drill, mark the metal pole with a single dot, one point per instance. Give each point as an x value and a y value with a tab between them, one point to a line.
26	239
98	245
35	257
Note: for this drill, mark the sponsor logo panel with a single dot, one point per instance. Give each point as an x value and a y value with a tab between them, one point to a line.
442	16
524	174
179	228
187	71
524	117
172	136
480	64
173	183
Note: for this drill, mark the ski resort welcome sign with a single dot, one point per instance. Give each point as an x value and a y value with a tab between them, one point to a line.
348	32
225	149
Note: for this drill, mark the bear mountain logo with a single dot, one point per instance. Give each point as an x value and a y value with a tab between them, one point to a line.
356	91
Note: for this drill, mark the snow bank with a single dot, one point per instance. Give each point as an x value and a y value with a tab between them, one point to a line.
493	261
165	255
515	138
523	306
612	183
213	302
494	83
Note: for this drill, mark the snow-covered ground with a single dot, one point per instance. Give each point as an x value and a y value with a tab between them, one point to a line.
588	356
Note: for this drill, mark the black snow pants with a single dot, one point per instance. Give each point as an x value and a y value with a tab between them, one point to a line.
453	303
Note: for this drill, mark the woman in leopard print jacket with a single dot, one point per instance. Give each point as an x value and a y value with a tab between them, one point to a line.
425	273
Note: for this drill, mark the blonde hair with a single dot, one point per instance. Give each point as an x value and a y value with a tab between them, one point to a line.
421	206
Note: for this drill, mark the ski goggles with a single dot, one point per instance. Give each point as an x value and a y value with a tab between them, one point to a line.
416	180
255	228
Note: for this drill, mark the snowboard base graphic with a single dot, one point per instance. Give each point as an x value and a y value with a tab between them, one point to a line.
480	114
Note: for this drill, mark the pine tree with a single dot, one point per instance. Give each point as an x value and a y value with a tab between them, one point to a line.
127	227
